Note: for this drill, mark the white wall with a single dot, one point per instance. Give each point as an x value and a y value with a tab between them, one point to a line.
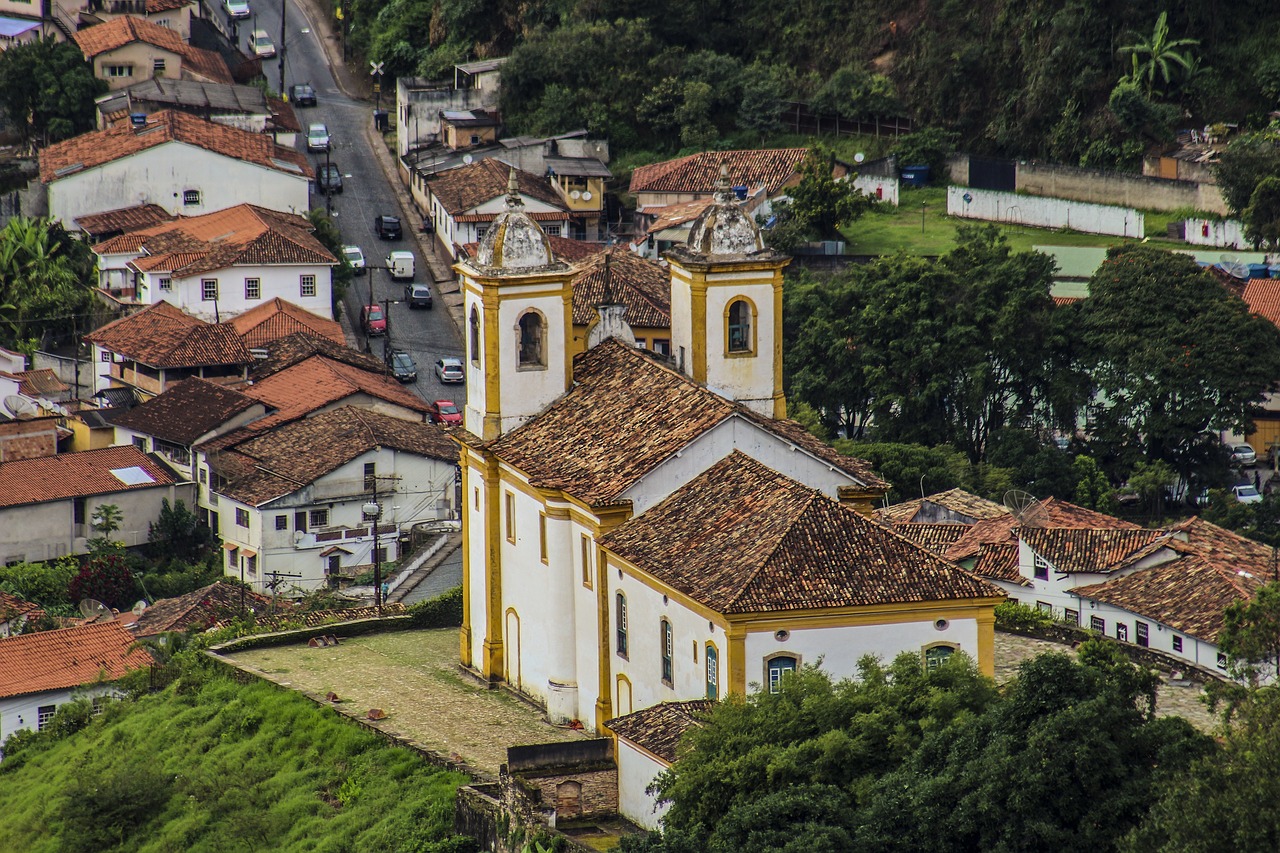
19	712
884	190
1159	636
161	174
282	280
636	770
1225	233
747	378
1042	212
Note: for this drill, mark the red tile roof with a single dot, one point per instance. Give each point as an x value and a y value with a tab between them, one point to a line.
643	286
1049	513
154	6
1262	295
1060	301
97	147
934	536
290	350
951	505
276	319
66	658
75	475
202	608
11	606
125	219
677	214
161	335
186	411
40	383
118	32
468	186
1000	562
698	173
659	728
318	382
1073	550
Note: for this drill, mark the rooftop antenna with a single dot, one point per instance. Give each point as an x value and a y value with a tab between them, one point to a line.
1024	506
95	611
22	408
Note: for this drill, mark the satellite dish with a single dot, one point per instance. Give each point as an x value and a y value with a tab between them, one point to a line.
297	536
1232	266
468	159
139	606
586	196
575	195
1023	505
859	157
95	611
21	407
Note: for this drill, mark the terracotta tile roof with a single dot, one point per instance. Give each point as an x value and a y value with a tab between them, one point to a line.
97	147
1071	551
200	609
40	383
118	32
658	728
1189	594
698	173
291	349
1060	301
100	226
161	335
1000	562
535	215
11	606
309	448
186	411
318	382
276	319
242	235
69	657
951	505
154	6
1262	295
316	618
742	538
936	537
1049	513
283	116
677	214
626	414
73	475
643	286
468	186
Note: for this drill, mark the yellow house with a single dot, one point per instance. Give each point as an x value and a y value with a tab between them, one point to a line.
580	182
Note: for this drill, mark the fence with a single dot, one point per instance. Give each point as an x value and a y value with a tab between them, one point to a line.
798	118
1226	233
970	203
884	190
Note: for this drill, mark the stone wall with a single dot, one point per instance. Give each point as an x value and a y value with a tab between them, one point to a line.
1099	187
31	439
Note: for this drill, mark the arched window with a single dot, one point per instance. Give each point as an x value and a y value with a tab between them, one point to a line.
713	672
532	340
778	667
668	651
622	624
936	655
740	339
475	336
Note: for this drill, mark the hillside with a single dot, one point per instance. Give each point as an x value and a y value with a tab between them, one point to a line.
219	766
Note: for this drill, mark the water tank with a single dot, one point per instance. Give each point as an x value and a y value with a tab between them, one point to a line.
741	193
915	176
138	119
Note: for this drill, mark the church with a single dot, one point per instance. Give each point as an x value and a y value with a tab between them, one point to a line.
640	529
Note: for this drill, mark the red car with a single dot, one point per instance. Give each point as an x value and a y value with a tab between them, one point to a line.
373	320
445	412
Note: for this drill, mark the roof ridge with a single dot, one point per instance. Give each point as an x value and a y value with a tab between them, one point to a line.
778	480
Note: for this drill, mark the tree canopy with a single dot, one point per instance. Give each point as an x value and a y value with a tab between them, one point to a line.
46	281
48	89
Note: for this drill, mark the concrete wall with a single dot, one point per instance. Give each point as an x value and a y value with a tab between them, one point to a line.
1093	185
1039	212
141	58
418	108
636	770
884	190
1224	233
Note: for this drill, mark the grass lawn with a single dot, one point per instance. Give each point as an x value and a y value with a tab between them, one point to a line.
889	229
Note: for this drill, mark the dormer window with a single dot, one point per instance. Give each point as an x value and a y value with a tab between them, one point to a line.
1042	567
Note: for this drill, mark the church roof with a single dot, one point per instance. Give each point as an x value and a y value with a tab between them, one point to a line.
641	285
626	414
742	538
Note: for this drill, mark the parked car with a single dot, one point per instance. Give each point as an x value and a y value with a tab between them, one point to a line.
237	8
445	412
387	227
400	265
1247	493
317	137
328	178
263	46
373	320
450	370
355	257
302	95
418	295
402	365
1243	454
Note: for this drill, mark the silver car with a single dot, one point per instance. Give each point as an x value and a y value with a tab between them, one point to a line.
450	370
317	137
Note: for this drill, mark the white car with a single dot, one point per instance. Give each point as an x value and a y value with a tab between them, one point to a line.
1244	454
355	257
317	137
263	46
400	265
1247	493
237	8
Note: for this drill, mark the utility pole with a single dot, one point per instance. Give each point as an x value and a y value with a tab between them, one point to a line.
283	91
328	194
373	510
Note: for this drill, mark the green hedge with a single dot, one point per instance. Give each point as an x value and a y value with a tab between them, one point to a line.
443	611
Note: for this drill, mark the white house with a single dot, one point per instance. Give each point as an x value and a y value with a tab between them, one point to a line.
40	671
47	504
221	264
291	500
463	202
182	163
648	741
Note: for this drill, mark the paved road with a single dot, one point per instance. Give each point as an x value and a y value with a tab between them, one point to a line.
428	335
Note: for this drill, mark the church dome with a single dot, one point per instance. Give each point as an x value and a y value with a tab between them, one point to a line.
514	242
724	228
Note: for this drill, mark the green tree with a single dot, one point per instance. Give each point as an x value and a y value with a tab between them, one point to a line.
1250	635
45	584
46	281
1173	354
821	204
1159	55
1262	216
1247	161
106	520
1151	480
107	578
763	91
913	470
326	231
697	131
48	90
178	535
1093	490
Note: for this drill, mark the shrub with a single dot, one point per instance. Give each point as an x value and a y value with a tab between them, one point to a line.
444	611
1011	616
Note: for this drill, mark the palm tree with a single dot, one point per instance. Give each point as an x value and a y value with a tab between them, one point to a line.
1158	54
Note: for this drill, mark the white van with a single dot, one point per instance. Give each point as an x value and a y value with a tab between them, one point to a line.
401	265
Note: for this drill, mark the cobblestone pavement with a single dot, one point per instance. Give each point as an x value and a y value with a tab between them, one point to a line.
1171	700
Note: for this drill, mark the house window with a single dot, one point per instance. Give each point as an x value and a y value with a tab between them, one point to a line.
209	289
204	476
253	288
98	704
233	559
553	230
475	140
532	331
622	624
166	285
1222	661
335	564
319	518
713	672
480	231
140	443
190	197
119	70
1141	633
586	561
252	565
242	517
1045	607
282	522
668	649
370	475
1041	570
44	714
1122	632
157	66
307	285
662	346
475	336
510	501
936	656
1177	643
542	536
778	667
78	510
1097	623
106	356
740	326
1072	616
